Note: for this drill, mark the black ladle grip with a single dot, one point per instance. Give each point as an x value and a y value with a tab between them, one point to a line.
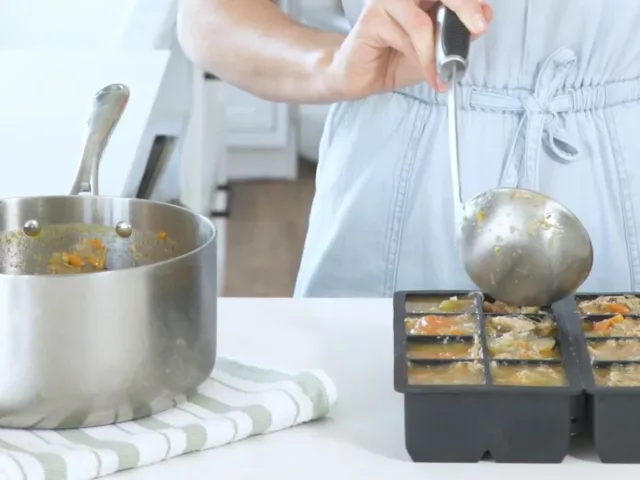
454	41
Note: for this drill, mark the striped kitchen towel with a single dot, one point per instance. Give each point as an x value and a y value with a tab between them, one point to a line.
236	402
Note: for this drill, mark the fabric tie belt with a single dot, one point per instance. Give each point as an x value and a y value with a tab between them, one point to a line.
539	125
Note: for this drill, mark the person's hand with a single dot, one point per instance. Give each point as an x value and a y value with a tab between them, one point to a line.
393	45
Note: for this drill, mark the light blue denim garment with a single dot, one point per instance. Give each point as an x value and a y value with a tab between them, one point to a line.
550	102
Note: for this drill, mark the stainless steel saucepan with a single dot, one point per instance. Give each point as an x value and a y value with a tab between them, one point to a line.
107	305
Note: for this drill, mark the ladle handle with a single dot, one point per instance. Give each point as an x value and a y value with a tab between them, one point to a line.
452	49
108	105
452	54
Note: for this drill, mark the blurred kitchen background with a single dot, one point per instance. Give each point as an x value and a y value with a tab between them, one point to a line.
186	137
268	222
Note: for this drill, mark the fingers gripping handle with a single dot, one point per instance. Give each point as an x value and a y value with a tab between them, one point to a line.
452	50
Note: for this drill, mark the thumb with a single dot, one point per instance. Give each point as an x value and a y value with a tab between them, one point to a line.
475	14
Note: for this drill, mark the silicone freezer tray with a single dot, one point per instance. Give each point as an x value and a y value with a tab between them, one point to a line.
468	393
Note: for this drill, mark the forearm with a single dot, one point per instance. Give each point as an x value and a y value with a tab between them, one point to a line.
253	45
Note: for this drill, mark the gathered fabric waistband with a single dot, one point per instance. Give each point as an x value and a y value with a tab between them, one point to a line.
566	100
539	110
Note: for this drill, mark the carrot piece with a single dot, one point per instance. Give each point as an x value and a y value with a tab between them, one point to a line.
75	260
456	331
95	243
162	235
616	308
616	319
437	325
602	326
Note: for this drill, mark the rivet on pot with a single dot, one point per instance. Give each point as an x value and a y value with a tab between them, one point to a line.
31	228
124	229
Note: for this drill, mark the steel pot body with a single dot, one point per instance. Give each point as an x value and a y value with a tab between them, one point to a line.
89	349
110	337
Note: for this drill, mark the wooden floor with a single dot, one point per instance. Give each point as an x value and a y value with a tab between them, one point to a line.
265	235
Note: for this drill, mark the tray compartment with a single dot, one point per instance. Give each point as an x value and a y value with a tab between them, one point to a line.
440	324
522	337
586	304
463	422
539	325
613	409
613	349
614	413
529	373
441	302
443	348
441	373
491	306
523	347
608	326
443	426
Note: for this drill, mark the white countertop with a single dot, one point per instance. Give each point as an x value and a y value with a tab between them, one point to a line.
351	340
46	95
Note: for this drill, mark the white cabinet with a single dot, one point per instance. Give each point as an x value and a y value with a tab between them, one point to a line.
324	15
253	122
261	135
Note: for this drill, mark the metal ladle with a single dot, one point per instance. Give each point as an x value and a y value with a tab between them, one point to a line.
519	246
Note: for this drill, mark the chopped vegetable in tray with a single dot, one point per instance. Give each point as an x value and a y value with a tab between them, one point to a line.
500	307
528	375
422	304
441	325
617	376
604	305
459	373
614	350
523	346
542	326
615	326
444	350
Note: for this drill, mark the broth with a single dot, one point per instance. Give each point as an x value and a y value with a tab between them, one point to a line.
604	305
461	373
444	350
615	326
520	324
528	375
613	350
441	325
617	376
523	347
422	304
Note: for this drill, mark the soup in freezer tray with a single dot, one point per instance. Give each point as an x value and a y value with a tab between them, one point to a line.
617	376
614	326
528	375
459	373
441	325
444	350
523	346
614	350
604	305
500	307
425	304
542	326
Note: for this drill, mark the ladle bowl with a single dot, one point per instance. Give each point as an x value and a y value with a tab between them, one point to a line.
523	247
519	246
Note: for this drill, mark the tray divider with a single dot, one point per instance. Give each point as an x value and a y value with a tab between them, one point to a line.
486	359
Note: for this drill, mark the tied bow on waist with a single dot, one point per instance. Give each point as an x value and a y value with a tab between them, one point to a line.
539	122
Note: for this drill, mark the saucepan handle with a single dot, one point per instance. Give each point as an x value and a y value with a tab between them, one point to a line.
108	105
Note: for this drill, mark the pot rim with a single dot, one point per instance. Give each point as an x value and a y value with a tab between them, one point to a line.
79	198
